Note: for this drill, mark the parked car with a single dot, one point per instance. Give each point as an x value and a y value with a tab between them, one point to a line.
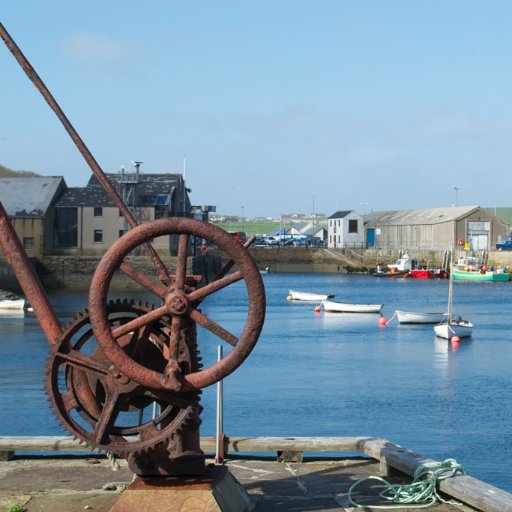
504	246
270	240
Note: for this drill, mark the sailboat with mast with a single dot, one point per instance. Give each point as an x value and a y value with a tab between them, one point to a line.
453	326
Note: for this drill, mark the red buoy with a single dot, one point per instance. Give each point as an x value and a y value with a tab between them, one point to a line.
318	309
382	322
455	339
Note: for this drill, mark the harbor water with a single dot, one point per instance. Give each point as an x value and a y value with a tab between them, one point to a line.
319	374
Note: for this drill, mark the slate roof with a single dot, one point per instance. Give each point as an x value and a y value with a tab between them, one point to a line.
313	230
340	214
148	187
420	216
29	196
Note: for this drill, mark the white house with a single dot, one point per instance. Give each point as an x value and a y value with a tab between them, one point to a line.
345	229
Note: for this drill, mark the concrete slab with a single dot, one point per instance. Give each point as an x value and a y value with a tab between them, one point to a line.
77	484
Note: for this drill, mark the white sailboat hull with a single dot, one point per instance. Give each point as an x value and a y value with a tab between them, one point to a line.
307	296
345	307
449	330
413	317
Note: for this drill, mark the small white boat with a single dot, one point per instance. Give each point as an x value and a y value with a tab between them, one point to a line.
307	296
332	306
12	304
413	317
453	326
459	327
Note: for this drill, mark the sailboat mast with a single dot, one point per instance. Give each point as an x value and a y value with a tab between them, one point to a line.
450	289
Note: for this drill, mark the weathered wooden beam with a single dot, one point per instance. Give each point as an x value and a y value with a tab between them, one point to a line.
233	444
465	488
297	444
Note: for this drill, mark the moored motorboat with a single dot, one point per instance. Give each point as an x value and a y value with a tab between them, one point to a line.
392	273
414	317
481	274
308	296
14	304
9	301
428	273
332	306
469	268
400	268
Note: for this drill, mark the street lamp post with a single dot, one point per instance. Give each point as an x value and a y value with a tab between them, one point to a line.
314	197
456	195
363	204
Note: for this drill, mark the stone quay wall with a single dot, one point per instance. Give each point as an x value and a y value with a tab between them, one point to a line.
76	272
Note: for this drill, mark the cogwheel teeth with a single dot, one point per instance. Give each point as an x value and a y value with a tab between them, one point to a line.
79	378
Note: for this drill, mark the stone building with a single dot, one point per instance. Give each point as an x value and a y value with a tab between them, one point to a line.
87	221
52	219
28	201
345	230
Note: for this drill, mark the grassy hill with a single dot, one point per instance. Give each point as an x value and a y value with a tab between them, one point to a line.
251	227
4	171
503	213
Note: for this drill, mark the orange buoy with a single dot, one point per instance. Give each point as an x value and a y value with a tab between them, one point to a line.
318	309
455	339
382	322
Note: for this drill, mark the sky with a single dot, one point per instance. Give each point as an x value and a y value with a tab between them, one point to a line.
270	107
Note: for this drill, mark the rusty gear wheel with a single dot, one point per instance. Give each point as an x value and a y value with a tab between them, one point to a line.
179	301
100	405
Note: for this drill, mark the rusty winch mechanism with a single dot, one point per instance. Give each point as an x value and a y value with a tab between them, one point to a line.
124	377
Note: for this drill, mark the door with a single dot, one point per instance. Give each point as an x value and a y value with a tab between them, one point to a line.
370	237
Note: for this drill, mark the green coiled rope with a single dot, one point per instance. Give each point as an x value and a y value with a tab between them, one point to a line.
421	493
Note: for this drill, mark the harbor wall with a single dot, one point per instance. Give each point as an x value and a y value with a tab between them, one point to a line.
76	272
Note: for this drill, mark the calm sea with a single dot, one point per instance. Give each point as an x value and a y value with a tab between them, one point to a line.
317	374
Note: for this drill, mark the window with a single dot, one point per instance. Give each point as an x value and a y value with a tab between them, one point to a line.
98	211
352	226
98	235
162	205
28	242
162	200
66	227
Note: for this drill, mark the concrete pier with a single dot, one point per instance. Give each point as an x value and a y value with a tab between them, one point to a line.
81	481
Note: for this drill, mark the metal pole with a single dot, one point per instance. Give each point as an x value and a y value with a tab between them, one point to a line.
219	436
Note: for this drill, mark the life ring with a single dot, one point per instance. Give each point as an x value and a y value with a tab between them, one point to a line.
460	241
204	249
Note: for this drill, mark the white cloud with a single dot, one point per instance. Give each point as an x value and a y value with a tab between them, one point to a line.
99	52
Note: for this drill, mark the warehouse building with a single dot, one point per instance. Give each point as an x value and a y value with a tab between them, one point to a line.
434	229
